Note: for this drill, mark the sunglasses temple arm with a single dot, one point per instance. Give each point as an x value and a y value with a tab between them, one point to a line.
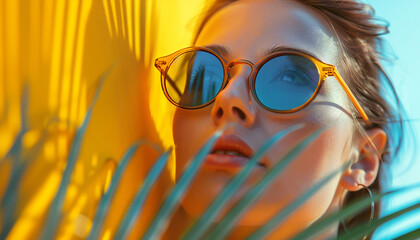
351	96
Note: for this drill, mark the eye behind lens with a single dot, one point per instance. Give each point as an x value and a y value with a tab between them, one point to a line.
286	82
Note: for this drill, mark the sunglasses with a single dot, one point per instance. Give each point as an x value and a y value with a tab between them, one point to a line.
281	82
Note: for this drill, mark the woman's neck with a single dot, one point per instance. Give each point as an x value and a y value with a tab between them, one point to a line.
181	221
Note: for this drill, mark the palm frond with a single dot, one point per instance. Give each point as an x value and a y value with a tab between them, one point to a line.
138	202
363	229
16	149
105	202
226	224
162	217
54	212
345	212
275	221
18	167
415	234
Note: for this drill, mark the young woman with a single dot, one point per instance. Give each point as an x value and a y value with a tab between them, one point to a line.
260	66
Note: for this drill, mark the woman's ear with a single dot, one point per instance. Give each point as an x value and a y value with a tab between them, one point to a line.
365	169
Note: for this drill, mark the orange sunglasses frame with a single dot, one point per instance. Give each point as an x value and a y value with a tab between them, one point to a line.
324	70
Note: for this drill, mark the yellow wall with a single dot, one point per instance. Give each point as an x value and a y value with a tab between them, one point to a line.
57	49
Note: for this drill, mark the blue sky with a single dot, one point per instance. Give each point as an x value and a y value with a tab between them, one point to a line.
404	44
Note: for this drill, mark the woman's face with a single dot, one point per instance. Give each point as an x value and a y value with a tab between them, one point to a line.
248	30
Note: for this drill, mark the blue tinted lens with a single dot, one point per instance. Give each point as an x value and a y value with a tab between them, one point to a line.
286	82
194	78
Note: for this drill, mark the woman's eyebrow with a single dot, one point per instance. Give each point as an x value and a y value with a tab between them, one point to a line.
224	52
280	48
221	50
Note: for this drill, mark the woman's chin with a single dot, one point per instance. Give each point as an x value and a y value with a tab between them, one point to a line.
195	205
197	210
203	190
253	219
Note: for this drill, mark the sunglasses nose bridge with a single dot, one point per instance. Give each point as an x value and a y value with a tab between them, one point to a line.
233	63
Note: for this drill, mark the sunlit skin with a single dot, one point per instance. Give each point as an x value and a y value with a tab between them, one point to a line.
248	29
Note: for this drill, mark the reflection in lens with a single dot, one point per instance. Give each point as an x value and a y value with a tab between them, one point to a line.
194	78
286	82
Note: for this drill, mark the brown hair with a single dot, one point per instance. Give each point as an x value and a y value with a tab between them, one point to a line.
359	36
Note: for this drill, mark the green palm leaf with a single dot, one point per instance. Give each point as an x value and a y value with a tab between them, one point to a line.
345	212
105	202
138	202
20	163
16	149
223	228
160	221
363	229
8	205
54	213
415	234
274	222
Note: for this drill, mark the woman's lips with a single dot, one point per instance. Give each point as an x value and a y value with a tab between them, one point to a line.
230	153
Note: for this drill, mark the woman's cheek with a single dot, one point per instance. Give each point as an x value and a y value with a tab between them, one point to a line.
317	161
191	129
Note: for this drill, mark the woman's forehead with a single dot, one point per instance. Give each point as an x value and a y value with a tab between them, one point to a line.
250	28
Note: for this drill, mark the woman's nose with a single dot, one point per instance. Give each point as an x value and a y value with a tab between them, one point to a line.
234	102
